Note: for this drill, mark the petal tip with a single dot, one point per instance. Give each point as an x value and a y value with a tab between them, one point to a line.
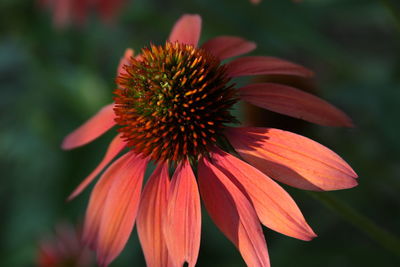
71	197
252	45
311	236
187	30
354	184
66	144
345	121
309	74
349	123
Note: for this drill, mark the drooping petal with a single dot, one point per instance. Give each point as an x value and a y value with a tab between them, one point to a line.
292	159
120	210
98	198
182	222
186	30
233	213
150	215
257	65
275	208
228	46
293	102
124	61
90	130
115	147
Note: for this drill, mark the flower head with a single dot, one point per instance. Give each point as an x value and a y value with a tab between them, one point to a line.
173	102
172	106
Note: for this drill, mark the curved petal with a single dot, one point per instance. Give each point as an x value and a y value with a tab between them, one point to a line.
182	223
233	213
120	210
228	46
90	130
186	30
113	150
98	198
293	102
124	61
275	208
150	215
292	159
257	65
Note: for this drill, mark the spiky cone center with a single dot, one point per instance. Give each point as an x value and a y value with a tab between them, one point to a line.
173	102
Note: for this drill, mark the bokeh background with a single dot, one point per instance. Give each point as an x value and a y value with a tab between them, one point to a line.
52	79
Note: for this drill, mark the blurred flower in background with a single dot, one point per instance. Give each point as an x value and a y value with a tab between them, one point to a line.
255	1
65	12
64	249
259	1
173	107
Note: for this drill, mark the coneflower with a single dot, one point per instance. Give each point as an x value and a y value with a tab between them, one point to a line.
172	107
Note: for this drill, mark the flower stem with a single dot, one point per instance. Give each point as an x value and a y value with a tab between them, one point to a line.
364	224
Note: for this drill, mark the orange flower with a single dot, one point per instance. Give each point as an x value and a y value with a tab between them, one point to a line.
64	249
67	11
172	106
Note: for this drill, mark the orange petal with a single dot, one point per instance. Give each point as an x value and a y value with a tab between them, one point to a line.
233	213
275	208
186	30
150	215
258	65
120	210
90	130
124	61
292	159
228	46
182	222
293	102
98	198
113	150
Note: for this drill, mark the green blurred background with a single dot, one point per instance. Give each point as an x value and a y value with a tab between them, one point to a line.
52	80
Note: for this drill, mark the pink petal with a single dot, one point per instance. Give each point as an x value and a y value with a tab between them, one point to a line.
186	30
124	61
275	208
233	213
90	130
292	159
293	102
182	222
113	150
228	46
120	210
98	198
258	65
150	215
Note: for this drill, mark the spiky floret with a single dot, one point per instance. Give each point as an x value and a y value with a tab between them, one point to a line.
173	101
